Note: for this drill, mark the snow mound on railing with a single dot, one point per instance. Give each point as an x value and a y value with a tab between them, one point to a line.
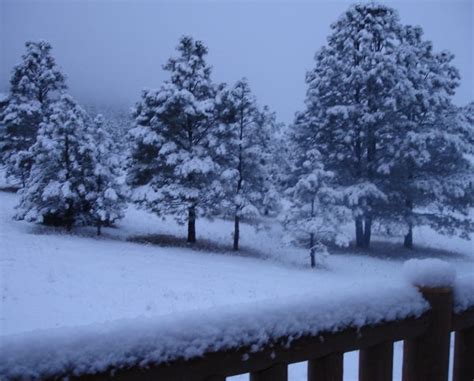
463	293
96	348
429	272
434	272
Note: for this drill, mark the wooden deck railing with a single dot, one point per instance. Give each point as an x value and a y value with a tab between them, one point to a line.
425	352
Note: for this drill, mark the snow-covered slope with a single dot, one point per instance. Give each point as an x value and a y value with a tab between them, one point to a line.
50	279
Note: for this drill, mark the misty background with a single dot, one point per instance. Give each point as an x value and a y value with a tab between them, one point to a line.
110	50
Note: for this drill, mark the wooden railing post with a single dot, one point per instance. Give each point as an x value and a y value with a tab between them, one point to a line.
464	355
329	368
376	362
426	358
277	372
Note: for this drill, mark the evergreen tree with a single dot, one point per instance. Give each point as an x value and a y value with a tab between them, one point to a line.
246	158
428	173
380	98
34	84
316	213
106	196
4	99
56	189
172	167
348	97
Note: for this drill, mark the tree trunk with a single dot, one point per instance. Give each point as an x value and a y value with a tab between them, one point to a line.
312	254
192	224
99	228
69	216
367	231
359	230
408	241
236	232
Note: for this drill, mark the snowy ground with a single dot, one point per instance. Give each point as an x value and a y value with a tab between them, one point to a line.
51	279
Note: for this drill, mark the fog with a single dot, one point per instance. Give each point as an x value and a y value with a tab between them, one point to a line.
110	50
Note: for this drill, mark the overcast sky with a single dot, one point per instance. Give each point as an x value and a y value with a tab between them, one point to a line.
110	50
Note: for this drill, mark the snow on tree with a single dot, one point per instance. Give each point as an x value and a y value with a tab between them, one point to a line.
348	97
56	189
245	159
4	99
465	126
35	83
117	122
316	212
106	192
427	168
172	167
432	179
379	95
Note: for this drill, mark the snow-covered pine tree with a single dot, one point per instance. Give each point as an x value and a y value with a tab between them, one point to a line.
4	99
275	159
428	171
35	83
349	96
106	191
56	189
316	212
246	158
172	167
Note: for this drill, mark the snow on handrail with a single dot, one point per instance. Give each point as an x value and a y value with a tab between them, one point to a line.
98	347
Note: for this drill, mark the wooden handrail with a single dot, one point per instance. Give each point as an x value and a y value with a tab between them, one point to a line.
324	354
243	360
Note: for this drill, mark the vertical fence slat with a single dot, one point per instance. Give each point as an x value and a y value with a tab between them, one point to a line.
427	356
376	363
463	369
329	368
277	372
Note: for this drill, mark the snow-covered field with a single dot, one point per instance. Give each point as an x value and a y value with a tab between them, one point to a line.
51	279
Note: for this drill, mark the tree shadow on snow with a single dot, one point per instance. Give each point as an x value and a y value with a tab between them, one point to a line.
396	252
202	245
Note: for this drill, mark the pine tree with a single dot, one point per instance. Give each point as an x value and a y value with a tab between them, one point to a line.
107	195
35	83
4	100
349	96
172	167
427	168
56	188
316	212
245	159
381	99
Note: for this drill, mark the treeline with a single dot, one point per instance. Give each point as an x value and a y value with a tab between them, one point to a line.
379	143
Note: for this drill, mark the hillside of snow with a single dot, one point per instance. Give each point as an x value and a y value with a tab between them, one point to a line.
51	279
